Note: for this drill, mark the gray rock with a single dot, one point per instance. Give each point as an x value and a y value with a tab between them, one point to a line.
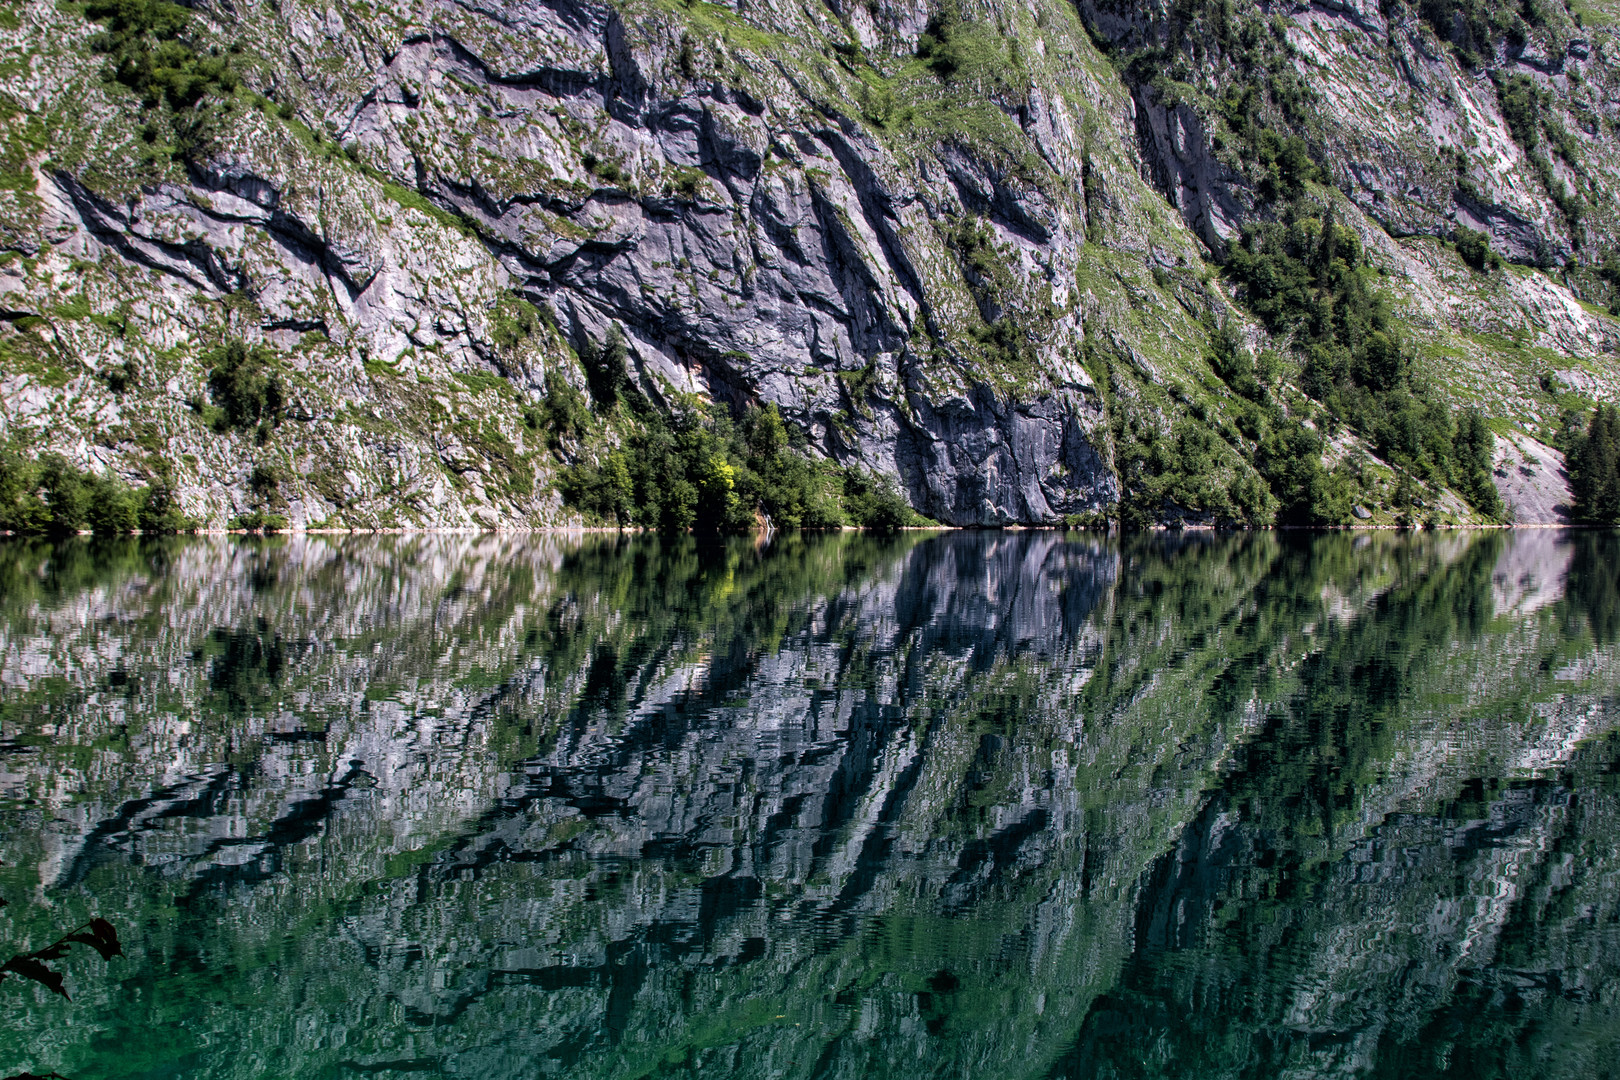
765	224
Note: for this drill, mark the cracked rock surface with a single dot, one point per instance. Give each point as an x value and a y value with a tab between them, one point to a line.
762	198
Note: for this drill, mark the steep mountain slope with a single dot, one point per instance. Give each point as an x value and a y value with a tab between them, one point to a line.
982	248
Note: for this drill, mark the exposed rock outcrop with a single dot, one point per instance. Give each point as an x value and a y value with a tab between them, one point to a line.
767	201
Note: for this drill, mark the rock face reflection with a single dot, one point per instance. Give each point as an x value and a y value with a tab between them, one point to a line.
1021	804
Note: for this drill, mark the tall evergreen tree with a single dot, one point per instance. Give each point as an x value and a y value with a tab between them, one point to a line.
1473	455
1594	469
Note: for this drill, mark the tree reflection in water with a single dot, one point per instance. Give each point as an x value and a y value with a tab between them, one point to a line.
988	804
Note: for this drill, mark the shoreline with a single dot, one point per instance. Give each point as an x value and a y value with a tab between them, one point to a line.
564	530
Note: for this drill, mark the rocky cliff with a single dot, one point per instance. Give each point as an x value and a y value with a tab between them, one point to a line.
981	248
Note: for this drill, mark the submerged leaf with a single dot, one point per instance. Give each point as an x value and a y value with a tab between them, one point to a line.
29	968
101	937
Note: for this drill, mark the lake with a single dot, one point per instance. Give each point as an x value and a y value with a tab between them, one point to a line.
982	804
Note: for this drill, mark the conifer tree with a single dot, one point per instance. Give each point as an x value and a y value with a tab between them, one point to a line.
1594	469
1472	457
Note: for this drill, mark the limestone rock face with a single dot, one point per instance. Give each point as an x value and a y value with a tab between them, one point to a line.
768	202
1413	130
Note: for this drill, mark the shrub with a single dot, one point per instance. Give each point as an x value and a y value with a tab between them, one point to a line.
611	171
260	521
1290	459
1231	361
245	382
1288	165
1521	108
685	60
563	414
1179	471
265	484
786	486
1309	277
874	502
687	183
1475	249
937	45
114	509
151	48
1285	159
22	509
605	492
160	510
606	368
121	377
67	494
1473	458
512	321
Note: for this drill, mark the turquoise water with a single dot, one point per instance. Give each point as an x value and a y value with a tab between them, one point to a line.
968	805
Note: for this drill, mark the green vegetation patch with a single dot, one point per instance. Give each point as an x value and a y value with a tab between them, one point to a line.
185	86
1010	327
480	382
1594	467
1474	248
245	382
563	417
1171	456
51	496
1228	60
326	149
1473	28
412	199
697	469
717	21
1308	277
1525	107
973	53
512	321
24	138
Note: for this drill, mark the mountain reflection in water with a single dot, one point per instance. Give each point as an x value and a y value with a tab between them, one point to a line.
971	805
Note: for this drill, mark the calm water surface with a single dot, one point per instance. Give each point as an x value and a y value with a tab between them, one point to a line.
973	805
